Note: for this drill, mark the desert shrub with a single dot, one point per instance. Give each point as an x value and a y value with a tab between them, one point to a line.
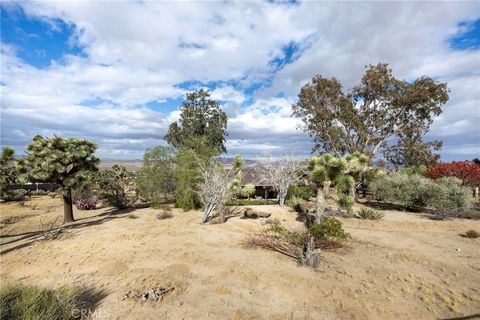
246	202
114	184
276	228
86	204
450	197
346	202
472	234
33	303
13	195
467	171
330	228
302	192
164	215
370	214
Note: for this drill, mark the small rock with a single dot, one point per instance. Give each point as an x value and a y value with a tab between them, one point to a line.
458	249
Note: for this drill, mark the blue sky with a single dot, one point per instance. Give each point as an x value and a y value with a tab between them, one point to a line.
117	72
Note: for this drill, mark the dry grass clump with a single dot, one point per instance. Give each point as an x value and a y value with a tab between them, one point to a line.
34	303
472	234
164	215
132	216
272	221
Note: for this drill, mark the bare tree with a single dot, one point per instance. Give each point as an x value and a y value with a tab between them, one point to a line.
280	174
214	188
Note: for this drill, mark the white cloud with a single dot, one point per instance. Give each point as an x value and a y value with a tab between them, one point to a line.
138	52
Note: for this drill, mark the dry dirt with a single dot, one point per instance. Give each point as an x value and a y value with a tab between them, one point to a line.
403	267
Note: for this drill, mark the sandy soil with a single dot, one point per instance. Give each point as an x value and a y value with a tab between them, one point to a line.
403	267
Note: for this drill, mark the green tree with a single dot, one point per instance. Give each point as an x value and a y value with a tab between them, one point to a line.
202	124
411	151
328	172
65	161
156	180
114	185
376	111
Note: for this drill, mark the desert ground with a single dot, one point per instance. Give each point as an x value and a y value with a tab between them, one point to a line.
405	266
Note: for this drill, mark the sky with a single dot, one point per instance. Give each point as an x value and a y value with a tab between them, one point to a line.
116	72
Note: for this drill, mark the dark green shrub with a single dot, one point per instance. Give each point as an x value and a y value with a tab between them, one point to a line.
13	195
370	214
33	303
330	228
302	192
346	202
114	187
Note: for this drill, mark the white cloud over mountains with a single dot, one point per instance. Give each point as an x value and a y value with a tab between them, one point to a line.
134	53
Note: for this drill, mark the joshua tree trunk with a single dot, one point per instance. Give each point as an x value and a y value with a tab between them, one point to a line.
67	206
319	206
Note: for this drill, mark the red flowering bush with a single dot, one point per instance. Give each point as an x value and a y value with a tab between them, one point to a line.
86	204
467	171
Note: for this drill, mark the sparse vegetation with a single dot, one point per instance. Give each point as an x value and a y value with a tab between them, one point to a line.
472	234
370	214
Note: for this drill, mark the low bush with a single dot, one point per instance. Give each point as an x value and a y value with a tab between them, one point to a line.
370	214
246	202
86	204
29	303
467	171
13	195
302	192
472	234
446	196
330	228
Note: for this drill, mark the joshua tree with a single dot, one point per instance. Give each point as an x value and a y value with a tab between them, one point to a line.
66	162
281	174
326	172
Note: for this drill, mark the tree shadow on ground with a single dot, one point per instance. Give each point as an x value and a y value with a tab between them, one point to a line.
472	316
26	239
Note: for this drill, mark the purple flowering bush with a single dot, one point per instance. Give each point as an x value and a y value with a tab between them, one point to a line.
85	204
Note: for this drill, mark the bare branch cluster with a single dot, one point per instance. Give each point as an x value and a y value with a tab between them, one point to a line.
280	173
214	187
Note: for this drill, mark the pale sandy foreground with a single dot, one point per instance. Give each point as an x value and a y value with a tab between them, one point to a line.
404	267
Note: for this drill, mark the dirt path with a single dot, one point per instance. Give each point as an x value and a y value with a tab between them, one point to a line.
403	267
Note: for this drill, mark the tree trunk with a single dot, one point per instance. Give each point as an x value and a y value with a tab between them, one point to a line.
67	206
281	199
206	214
319	206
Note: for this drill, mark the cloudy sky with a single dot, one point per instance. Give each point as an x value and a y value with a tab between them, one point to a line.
116	72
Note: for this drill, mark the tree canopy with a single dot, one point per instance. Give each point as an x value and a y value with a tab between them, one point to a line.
65	161
374	113
201	122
